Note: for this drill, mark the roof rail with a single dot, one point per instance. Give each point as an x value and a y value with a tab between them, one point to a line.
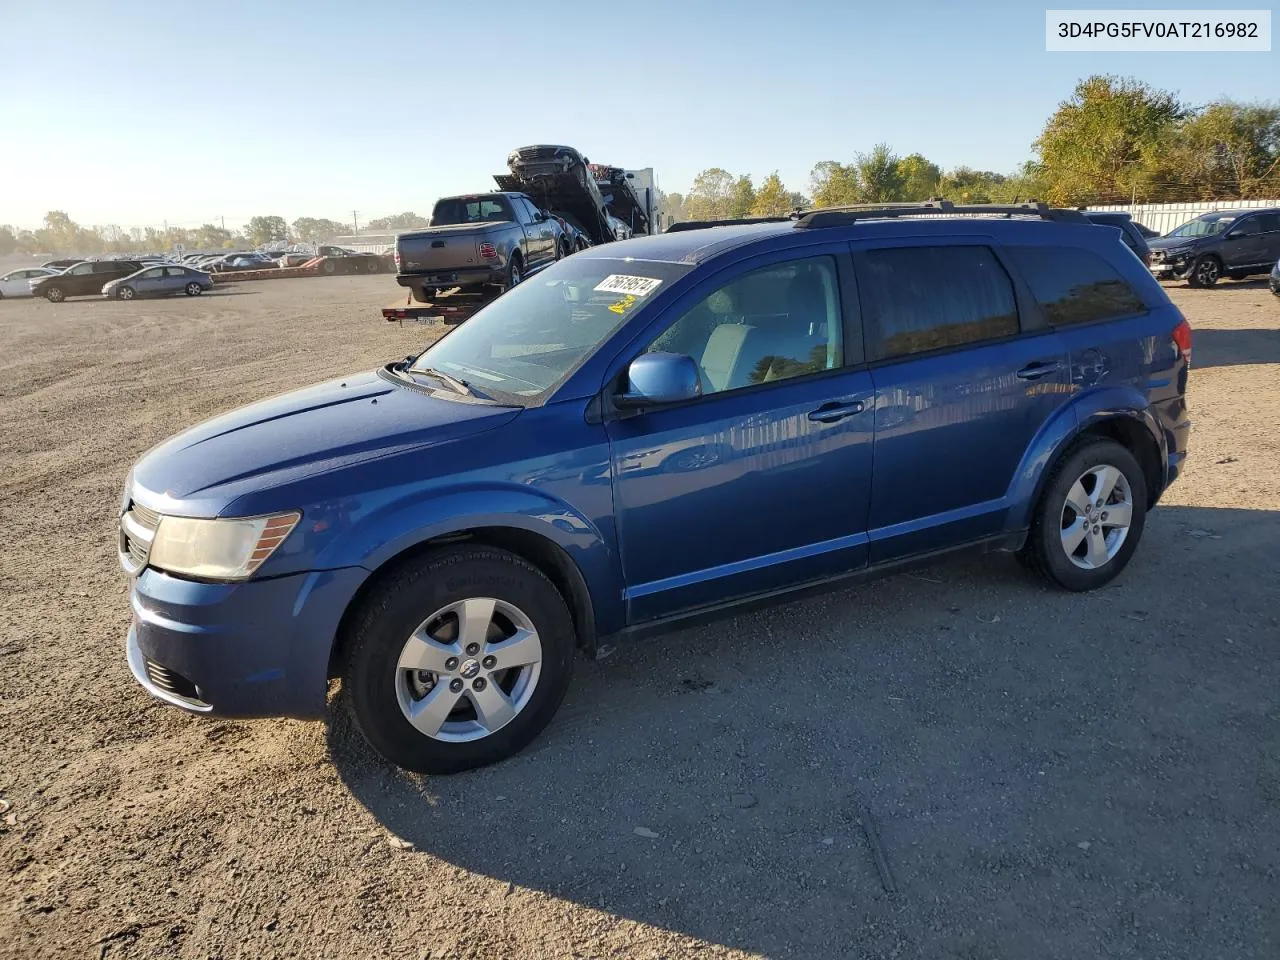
843	216
704	224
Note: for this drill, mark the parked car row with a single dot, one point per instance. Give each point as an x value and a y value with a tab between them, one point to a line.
117	279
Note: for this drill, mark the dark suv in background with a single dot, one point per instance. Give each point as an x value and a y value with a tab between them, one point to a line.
1130	232
1226	243
84	279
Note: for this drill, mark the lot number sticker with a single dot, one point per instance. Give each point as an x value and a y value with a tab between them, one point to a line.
633	286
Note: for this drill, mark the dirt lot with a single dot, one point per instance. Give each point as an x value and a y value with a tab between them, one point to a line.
1052	775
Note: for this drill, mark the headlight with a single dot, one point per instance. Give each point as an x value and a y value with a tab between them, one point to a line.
229	549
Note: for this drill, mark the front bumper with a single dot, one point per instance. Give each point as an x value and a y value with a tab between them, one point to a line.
1178	268
254	649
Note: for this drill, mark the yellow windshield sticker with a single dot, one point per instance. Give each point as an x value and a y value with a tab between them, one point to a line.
623	305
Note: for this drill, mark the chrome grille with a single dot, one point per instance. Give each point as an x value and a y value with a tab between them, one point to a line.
148	518
137	530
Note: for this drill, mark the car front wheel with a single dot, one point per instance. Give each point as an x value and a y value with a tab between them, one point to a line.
1090	517
55	295
126	293
1205	272
458	660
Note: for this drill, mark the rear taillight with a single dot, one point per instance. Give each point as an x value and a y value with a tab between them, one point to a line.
1182	339
488	251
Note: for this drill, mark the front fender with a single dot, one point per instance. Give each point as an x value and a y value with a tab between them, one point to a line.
388	529
1058	432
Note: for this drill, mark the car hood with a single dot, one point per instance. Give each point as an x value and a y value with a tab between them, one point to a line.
1174	243
299	434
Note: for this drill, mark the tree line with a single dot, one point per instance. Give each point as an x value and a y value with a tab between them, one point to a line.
60	234
1114	140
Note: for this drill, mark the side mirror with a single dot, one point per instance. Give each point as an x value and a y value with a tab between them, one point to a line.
656	379
1233	235
541	216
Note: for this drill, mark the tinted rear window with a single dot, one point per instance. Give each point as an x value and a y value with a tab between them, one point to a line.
1073	285
928	298
470	210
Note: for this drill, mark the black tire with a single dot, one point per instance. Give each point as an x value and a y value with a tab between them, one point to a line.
126	293
1205	272
193	289
515	273
55	294
563	249
1045	551
399	605
329	266
372	265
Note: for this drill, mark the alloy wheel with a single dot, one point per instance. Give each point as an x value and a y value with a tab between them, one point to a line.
468	670
1096	517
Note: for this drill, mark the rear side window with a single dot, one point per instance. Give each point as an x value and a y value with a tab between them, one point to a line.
918	299
1073	285
1269	222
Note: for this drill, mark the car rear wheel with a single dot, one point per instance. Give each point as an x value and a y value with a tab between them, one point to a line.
194	289
1090	517
1205	272
458	660
372	265
514	276
126	293
55	295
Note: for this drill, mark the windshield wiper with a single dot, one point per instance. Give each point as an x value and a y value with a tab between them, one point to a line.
458	386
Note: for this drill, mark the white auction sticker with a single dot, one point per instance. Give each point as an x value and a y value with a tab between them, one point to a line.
621	283
1200	31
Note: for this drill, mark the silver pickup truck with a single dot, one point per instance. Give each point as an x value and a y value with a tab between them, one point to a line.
487	240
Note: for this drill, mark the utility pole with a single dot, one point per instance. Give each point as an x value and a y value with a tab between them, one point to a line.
224	222
355	223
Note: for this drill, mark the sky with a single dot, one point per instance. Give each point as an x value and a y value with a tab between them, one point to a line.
145	113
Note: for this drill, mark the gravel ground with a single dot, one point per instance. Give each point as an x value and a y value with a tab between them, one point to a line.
1051	775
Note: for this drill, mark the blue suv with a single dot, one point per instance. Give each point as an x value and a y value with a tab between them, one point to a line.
648	432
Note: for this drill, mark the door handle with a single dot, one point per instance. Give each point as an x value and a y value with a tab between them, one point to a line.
836	410
1038	369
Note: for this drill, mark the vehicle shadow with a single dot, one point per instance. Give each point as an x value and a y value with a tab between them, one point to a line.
1212	347
1051	774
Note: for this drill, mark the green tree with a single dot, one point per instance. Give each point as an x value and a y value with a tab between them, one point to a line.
877	175
209	236
265	229
711	196
399	221
1225	150
798	201
834	184
1107	140
742	198
772	199
8	241
312	230
966	185
919	177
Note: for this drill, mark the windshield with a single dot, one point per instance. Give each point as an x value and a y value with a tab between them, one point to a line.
470	210
1209	226
536	334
